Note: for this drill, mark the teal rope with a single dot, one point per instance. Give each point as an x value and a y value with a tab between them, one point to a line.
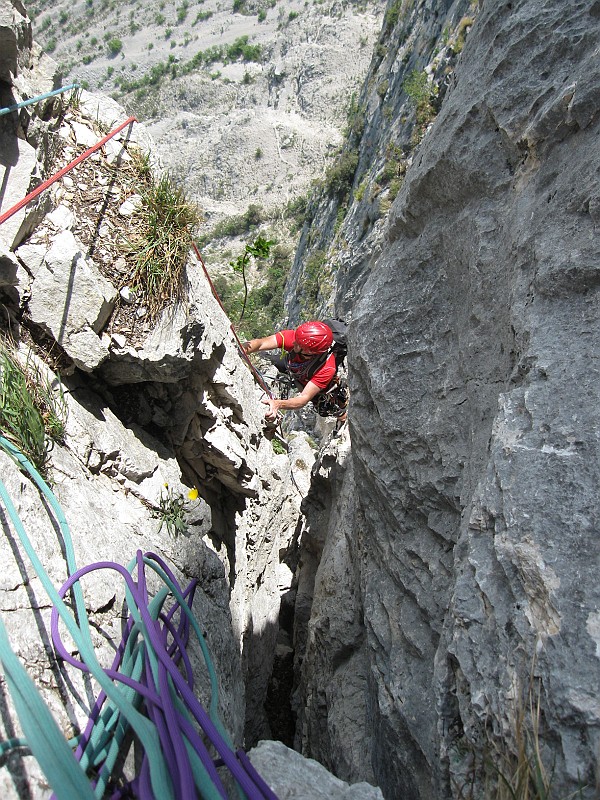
43	735
17	106
81	635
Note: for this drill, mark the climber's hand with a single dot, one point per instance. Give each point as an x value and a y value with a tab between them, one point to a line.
273	404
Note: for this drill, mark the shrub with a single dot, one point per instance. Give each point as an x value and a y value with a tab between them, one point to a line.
114	46
237	226
339	176
420	92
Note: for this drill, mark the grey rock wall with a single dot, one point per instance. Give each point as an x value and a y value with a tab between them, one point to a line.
473	526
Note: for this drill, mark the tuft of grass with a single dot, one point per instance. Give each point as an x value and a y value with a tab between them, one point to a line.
167	221
32	414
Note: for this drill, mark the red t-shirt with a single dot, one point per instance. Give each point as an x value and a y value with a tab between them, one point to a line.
322	377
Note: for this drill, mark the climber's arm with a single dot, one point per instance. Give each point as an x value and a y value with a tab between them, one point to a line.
266	343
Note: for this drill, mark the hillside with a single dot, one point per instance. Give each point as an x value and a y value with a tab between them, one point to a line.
254	126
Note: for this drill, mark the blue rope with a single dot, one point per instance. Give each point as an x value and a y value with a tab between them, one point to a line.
17	106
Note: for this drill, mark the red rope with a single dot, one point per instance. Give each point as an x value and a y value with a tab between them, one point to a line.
243	353
43	186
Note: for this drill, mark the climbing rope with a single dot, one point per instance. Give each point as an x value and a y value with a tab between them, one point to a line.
47	183
148	690
38	99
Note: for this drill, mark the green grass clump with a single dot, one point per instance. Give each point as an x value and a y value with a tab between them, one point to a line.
421	94
31	413
166	224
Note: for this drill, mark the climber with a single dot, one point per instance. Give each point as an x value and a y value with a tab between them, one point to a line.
308	356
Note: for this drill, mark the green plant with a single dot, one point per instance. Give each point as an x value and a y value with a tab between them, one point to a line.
359	192
166	223
382	88
172	509
259	249
236	226
264	306
258	154
311	281
421	93
31	412
339	176
114	46
182	11
279	447
460	34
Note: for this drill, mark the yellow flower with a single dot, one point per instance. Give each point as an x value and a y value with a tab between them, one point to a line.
193	494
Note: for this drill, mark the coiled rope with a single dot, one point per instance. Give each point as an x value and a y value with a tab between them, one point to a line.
147	691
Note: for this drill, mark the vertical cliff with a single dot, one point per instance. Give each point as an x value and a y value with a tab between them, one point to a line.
469	542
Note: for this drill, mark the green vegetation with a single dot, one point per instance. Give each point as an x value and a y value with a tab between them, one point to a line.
278	447
114	46
259	249
31	412
312	279
460	34
421	93
201	16
172	508
264	306
382	88
392	16
355	118
182	12
160	245
238	50
339	176
236	226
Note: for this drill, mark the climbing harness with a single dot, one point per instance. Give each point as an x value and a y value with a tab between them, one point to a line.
333	401
147	691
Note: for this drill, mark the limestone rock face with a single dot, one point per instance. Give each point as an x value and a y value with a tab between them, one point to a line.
472	535
15	39
293	777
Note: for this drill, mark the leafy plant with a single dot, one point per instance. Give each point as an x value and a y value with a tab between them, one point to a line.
172	509
260	248
278	447
238	225
264	306
166	224
30	410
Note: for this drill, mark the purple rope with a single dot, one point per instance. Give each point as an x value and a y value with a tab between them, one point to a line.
168	640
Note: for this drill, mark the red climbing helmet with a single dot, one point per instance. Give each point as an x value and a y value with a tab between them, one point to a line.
314	336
